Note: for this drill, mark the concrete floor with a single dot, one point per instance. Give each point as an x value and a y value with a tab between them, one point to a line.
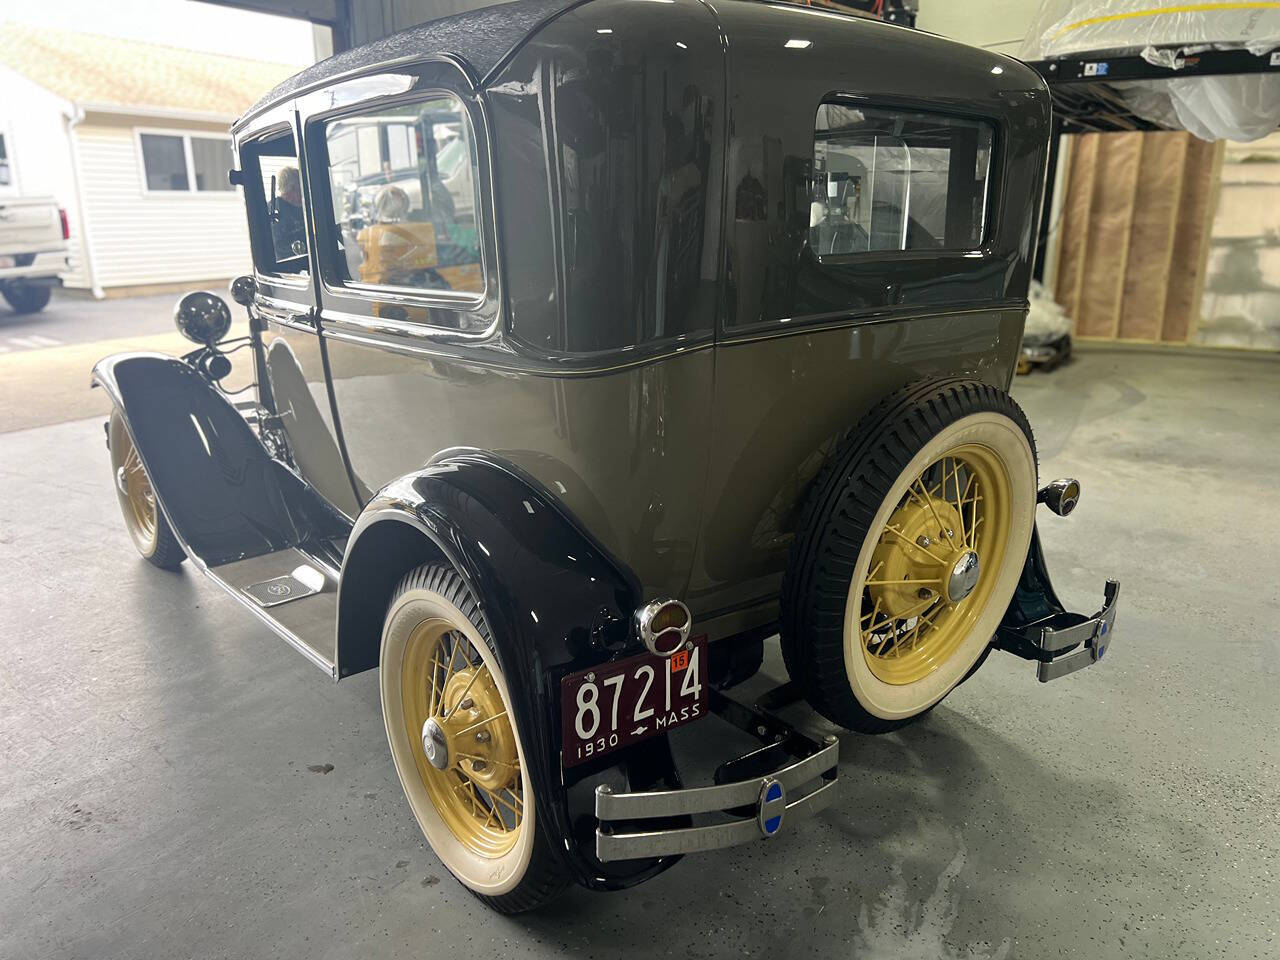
158	793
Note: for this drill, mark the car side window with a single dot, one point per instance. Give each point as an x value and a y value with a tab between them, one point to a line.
891	180
276	204
403	185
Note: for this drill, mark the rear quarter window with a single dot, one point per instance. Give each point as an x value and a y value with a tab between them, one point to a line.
893	180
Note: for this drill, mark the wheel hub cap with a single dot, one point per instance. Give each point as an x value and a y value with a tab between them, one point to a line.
435	745
964	576
470	765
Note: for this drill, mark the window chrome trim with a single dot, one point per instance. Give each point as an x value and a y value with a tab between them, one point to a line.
268	128
988	222
415	296
394	327
460	86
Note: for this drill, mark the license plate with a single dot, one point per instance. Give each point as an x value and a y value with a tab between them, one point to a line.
617	704
7	262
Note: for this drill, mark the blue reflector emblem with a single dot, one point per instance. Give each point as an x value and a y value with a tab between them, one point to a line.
773	804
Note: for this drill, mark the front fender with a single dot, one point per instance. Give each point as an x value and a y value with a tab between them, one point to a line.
555	602
223	494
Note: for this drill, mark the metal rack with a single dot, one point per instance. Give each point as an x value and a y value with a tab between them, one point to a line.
1084	100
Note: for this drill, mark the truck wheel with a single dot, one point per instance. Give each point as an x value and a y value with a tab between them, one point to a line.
143	517
456	746
908	552
27	297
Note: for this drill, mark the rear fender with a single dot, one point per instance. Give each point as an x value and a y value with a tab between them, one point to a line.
1034	601
224	495
555	602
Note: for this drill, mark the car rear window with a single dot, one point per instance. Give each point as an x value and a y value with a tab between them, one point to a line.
892	180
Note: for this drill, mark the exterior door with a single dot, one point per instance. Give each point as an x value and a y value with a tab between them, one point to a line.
292	362
407	283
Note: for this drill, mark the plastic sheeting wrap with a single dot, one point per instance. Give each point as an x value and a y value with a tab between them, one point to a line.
1046	320
1239	107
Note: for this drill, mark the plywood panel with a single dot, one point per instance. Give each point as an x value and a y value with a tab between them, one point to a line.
1155	216
1074	224
1107	238
1187	263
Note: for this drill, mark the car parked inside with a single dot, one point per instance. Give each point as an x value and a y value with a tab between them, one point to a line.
595	344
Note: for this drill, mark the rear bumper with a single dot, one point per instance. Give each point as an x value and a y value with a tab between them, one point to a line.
636	825
42	268
1066	642
1036	626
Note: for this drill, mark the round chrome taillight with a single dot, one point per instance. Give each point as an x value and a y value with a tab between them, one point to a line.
663	626
1061	496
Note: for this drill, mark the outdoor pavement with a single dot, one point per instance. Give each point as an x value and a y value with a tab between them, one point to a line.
45	357
72	316
179	783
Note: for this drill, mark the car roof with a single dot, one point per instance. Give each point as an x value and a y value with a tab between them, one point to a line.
481	38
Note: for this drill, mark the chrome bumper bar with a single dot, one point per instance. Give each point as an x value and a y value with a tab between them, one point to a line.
1092	637
1065	642
749	810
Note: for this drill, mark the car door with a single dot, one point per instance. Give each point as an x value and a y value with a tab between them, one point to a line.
407	283
291	376
412	292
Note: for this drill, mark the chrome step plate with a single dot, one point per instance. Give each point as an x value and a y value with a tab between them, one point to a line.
302	582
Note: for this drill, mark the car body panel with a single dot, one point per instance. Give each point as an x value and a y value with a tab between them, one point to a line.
30	225
783	403
555	602
223	493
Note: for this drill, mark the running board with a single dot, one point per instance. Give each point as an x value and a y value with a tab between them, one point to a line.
293	592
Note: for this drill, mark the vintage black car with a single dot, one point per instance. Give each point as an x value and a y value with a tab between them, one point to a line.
595	344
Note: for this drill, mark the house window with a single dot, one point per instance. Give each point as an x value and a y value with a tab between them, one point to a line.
6	176
897	180
210	161
185	163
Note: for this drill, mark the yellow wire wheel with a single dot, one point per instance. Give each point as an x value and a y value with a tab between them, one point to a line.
142	517
934	564
456	745
910	550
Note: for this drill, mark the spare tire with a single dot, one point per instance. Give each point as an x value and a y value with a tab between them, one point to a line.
908	551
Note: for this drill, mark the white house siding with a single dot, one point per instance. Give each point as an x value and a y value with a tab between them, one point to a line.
142	238
34	123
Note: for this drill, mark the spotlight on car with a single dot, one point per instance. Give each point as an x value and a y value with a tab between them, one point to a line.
1060	496
202	317
242	290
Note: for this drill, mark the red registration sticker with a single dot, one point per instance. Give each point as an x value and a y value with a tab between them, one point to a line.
617	704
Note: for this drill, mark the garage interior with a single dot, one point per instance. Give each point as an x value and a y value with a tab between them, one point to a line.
179	782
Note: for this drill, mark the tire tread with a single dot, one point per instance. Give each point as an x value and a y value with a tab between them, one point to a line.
835	521
546	877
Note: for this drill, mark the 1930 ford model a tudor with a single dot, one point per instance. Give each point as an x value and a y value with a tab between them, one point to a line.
595	343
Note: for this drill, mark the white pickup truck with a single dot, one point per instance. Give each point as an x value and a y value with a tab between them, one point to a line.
33	250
